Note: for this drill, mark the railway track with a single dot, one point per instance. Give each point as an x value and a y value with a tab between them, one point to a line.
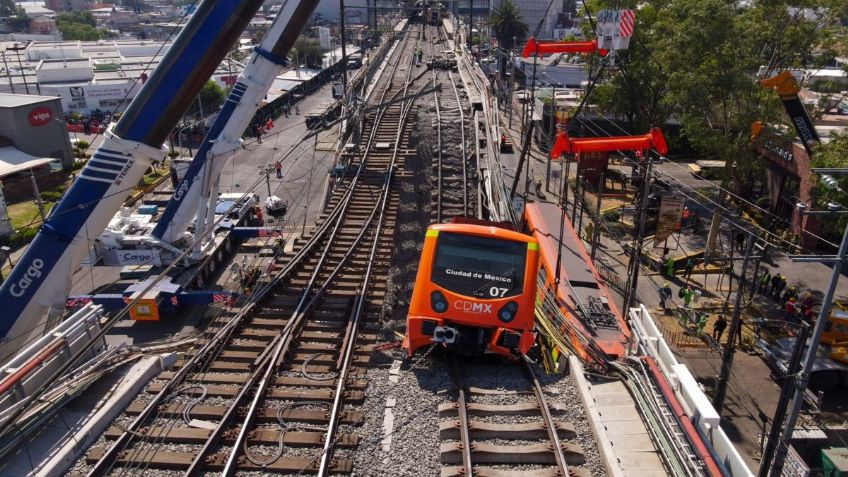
272	388
452	193
505	432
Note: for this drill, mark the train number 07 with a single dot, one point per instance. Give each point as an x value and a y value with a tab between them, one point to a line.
498	292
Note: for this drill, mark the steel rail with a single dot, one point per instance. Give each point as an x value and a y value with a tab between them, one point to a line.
550	423
286	334
438	155
462	415
463	148
349	345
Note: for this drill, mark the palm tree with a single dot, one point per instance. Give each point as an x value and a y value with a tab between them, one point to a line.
508	24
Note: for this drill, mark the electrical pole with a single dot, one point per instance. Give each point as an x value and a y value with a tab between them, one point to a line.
528	137
344	48
551	134
735	328
563	211
596	230
8	73
783	402
582	180
635	259
810	358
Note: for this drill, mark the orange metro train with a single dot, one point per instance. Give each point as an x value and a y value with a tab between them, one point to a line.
475	290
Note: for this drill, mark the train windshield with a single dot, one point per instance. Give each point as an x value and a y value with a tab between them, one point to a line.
479	266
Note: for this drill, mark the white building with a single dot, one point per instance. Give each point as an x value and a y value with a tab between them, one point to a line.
86	75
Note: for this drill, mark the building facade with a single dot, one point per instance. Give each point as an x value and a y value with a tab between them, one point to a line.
36	126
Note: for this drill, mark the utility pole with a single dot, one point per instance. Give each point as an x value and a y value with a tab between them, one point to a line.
577	186
783	402
344	49
551	134
596	230
810	358
37	195
735	328
563	206
582	205
8	73
528	137
470	22
635	259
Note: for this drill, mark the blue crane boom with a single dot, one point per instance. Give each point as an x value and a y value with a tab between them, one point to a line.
33	296
195	194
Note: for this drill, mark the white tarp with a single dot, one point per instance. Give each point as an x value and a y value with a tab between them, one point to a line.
14	160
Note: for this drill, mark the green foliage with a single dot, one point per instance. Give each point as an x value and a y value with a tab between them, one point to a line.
698	61
508	24
9	9
80	26
307	51
211	96
828	87
85	18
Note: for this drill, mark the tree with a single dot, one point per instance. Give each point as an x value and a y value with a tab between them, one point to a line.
833	153
307	51
211	96
699	61
507	22
9	9
80	26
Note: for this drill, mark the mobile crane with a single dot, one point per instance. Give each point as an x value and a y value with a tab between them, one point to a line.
33	297
195	194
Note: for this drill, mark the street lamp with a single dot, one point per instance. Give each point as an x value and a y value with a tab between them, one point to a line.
17	49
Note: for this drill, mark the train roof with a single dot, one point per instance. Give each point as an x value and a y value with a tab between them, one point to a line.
484	231
576	269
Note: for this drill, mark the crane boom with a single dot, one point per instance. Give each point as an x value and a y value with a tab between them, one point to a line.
787	88
197	188
33	296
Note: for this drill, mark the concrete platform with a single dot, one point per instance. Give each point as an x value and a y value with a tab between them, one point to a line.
623	440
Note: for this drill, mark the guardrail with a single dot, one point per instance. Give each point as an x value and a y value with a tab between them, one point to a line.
697	406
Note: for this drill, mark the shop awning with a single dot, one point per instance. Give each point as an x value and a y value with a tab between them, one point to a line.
14	160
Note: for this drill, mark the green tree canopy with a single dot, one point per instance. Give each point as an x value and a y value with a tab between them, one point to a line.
80	26
307	51
211	97
507	22
699	62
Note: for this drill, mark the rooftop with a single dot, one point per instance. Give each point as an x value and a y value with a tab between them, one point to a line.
14	100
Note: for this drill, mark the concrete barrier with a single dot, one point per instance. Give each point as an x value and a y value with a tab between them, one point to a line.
698	406
130	386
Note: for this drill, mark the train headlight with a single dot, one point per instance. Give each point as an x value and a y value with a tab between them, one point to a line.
438	302
507	312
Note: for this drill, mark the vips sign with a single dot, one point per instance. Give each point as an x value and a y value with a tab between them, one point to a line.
40	116
671	209
139	257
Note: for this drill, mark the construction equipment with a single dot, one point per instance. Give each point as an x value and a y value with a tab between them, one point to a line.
787	88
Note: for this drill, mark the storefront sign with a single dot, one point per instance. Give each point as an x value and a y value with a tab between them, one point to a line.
775	144
40	116
671	209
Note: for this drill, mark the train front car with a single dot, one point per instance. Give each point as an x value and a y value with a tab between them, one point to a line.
475	291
